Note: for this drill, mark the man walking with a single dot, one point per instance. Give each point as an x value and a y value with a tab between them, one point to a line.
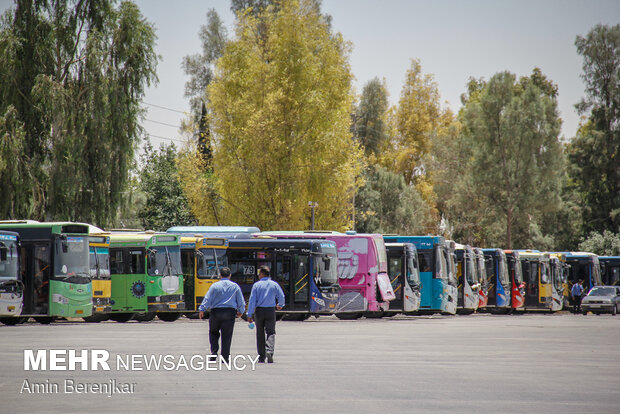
576	292
225	301
266	297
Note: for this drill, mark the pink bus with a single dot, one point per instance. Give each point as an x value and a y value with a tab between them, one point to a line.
365	287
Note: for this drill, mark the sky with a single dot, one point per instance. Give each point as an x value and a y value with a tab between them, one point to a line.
453	39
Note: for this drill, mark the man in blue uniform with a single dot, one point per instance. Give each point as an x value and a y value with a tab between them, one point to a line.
225	301
576	292
266	297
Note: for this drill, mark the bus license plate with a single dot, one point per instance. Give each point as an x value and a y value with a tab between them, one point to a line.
173	306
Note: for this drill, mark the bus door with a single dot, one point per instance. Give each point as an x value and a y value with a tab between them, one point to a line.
35	274
396	270
531	276
188	266
282	275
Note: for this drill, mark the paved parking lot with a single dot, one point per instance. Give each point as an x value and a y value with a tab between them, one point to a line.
543	363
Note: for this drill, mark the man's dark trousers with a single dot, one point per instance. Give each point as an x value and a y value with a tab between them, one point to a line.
265	319
221	320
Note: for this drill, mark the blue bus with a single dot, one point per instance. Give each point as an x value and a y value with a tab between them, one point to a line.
610	270
584	266
498	281
437	266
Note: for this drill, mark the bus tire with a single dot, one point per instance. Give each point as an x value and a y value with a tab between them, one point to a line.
121	317
144	316
168	316
11	320
374	315
348	316
279	316
297	317
195	315
44	320
96	318
614	311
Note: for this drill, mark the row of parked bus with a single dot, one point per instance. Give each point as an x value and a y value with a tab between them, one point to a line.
69	270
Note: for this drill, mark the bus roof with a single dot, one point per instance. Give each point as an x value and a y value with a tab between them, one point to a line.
31	230
420	242
195	242
144	238
280	243
212	229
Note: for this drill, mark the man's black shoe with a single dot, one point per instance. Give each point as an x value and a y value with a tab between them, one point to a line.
261	360
270	358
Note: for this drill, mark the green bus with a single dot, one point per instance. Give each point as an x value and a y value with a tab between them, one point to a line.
147	278
54	269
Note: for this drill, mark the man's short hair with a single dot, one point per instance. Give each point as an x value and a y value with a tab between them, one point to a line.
264	270
225	272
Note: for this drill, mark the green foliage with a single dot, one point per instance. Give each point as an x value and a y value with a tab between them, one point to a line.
280	105
370	118
602	244
386	204
72	75
595	152
200	67
510	159
166	205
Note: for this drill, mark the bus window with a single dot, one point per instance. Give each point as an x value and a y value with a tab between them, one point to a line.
136	262
441	266
117	266
395	266
425	259
503	271
210	261
544	273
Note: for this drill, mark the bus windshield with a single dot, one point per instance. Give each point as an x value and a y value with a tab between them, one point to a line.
71	259
413	274
470	275
441	266
503	270
8	259
164	261
210	261
99	263
328	266
382	259
518	272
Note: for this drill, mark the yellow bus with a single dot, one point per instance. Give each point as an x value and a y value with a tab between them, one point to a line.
201	259
537	277
99	263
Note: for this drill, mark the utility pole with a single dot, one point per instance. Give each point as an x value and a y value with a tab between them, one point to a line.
312	205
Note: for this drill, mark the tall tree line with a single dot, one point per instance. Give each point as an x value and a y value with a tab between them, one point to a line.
72	77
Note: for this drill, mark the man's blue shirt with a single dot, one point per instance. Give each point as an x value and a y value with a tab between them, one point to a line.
577	290
223	294
265	294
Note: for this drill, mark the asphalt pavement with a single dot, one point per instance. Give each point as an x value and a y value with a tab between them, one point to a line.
540	363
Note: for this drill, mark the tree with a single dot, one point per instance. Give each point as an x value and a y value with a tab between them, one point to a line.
517	157
386	204
418	117
370	118
602	244
200	67
72	76
166	205
595	151
280	108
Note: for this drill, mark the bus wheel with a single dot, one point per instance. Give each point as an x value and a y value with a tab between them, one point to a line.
279	316
299	317
11	321
121	317
195	315
374	315
614	311
348	316
168	316
144	316
96	318
44	320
